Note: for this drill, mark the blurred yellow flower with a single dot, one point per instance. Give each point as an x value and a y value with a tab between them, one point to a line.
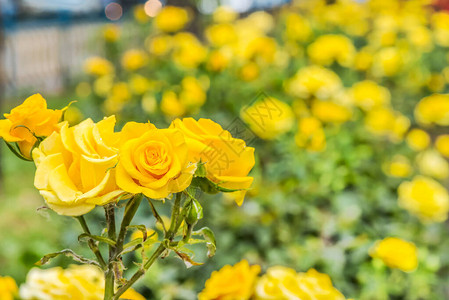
433	109
188	51
8	288
314	81
268	118
249	71
120	92
29	120
134	59
224	14
75	168
363	59
436	82
98	66
171	19
387	62
83	89
330	48
296	28
139	84
73	115
396	253
387	122
275	283
442	144
431	163
160	45
231	283
418	139
329	111
103	85
152	237
399	166
425	198
149	103
261	49
192	94
140	15
440	24
310	134
368	94
111	32
171	106
81	282
218	61
221	34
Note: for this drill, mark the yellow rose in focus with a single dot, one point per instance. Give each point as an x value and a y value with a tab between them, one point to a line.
310	134
387	122
231	283
80	282
396	253
75	168
227	160
171	19
398	167
111	33
368	94
442	144
431	163
27	121
314	81
268	118
134	59
8	288
424	198
98	66
328	111
153	161
330	48
433	109
418	139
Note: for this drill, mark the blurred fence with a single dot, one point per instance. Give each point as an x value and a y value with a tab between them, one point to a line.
43	57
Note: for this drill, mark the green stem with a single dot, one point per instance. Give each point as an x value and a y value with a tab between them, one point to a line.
130	211
109	274
91	243
170	234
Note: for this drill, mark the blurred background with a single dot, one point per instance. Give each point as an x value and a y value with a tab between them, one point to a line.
346	80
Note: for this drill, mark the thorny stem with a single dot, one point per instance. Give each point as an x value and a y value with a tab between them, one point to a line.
130	211
91	243
109	273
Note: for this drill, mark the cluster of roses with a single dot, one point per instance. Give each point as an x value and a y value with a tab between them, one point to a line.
90	164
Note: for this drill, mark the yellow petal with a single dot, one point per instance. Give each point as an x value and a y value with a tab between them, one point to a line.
44	169
62	185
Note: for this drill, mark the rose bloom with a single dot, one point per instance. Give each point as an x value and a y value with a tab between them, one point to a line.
418	139
29	120
433	109
134	59
227	160
8	288
396	253
442	144
425	198
329	111
80	282
153	161
231	283
98	66
281	283
75	168
368	94
171	19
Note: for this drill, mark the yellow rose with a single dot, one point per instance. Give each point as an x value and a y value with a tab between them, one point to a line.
310	134
297	28
231	283
418	139
330	48
153	161
80	282
269	118
171	19
218	61
27	121
75	168
192	94
425	198
433	109
221	34
188	50
98	66
431	163
249	71
224	14
160	45
111	32
396	253
227	160
171	106
387	122
442	144
8	288
271	285
134	59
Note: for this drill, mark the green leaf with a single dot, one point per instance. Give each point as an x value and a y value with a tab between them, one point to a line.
200	170
16	152
185	255
86	236
210	187
69	253
209	236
